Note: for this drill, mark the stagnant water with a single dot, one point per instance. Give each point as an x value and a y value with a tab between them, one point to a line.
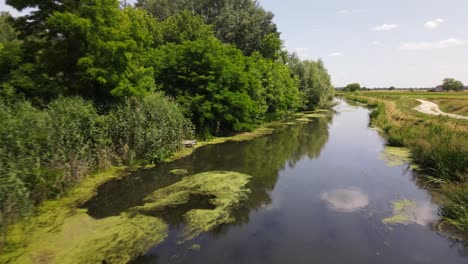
319	195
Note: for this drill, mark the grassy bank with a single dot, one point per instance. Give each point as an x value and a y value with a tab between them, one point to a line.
439	145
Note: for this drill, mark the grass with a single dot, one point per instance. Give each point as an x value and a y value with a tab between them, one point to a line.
453	106
437	144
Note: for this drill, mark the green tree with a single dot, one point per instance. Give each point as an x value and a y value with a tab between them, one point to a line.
315	82
91	48
213	82
243	23
10	53
352	87
282	94
184	27
452	84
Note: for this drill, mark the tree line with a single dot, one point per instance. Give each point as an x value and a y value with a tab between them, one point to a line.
93	83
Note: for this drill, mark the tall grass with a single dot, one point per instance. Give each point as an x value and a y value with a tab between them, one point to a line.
46	151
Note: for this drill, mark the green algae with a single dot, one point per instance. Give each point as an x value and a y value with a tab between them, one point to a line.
245	136
400	214
312	115
224	190
179	172
61	233
303	120
83	239
395	156
195	247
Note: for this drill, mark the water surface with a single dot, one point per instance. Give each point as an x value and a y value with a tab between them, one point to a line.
319	195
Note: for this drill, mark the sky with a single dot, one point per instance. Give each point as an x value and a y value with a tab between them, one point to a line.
377	43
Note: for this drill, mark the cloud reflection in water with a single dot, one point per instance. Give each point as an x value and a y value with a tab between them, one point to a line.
346	200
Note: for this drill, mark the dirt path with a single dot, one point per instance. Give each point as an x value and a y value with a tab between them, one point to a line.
431	108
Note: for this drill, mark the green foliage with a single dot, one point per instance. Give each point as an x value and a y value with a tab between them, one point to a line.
90	48
353	87
315	82
148	130
213	82
10	52
184	27
282	93
452	84
243	23
44	152
455	211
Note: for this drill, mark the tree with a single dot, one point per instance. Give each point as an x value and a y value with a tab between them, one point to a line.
91	48
10	51
392	88
315	82
452	84
352	87
213	82
243	23
282	92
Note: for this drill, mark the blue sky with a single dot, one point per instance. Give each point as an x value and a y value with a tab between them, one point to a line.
378	43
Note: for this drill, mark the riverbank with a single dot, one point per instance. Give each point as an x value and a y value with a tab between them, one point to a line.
439	145
70	231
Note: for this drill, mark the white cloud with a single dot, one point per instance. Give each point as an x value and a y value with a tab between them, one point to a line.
443	44
433	24
336	54
385	27
376	43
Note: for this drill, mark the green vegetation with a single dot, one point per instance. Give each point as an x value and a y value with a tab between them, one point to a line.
453	106
91	84
400	214
395	156
222	190
46	151
439	145
353	87
452	84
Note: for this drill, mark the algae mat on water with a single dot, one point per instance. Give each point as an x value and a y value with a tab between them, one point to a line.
83	239
395	156
224	191
410	212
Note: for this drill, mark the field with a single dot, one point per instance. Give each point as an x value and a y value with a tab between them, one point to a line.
438	144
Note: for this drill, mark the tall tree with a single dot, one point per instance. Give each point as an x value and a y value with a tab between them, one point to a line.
88	47
213	81
243	23
315	82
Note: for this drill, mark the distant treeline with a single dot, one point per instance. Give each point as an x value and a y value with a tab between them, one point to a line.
88	84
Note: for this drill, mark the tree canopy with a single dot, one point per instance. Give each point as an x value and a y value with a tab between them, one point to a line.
243	23
352	87
452	84
221	60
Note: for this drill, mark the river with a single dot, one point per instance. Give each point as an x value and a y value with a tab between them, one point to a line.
320	194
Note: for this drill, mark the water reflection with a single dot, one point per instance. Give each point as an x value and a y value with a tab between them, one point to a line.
346	200
263	158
